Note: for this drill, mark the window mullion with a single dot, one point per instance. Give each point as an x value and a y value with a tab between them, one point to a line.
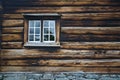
42	31
49	30
34	31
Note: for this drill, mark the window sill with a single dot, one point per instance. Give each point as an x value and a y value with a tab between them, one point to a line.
30	44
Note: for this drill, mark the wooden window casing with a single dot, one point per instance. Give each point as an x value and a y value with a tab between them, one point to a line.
43	17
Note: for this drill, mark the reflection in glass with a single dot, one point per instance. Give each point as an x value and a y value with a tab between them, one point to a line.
37	24
46	23
52	38
31	37
31	23
37	37
52	31
37	30
46	38
52	24
46	30
31	30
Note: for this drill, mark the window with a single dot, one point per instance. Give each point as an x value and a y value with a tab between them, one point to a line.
41	30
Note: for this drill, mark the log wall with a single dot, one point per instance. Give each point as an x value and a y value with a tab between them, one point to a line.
89	37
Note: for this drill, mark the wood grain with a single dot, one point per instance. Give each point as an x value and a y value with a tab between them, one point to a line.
74	16
12	45
91	30
91	45
89	38
12	23
12	37
58	69
12	30
60	2
61	63
59	54
62	9
89	23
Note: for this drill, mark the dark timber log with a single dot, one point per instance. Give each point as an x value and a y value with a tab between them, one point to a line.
12	23
62	9
91	30
12	37
89	23
91	45
65	63
12	45
58	69
60	2
75	16
12	30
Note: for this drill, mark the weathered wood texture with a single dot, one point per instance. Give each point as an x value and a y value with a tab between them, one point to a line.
14	45
74	9
53	53
89	37
58	69
60	2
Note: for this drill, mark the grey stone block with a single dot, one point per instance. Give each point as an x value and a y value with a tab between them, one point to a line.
92	76
61	79
60	75
108	78
48	76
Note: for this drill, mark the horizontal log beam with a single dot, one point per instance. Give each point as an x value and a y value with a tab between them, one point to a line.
90	23
12	30
77	56
58	54
62	9
65	63
90	45
12	37
74	16
12	23
91	30
58	69
60	2
12	45
89	38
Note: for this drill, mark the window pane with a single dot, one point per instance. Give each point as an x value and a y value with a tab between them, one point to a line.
52	38
52	31
46	30
46	23
52	24
31	30
37	30
46	37
31	37
37	37
31	23
37	24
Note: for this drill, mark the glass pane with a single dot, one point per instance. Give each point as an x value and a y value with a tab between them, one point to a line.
31	37
52	24
46	30
52	31
31	23
46	23
37	37
37	30
46	38
37	24
52	38
31	30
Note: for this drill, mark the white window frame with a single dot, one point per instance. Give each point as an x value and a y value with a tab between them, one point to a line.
49	32
41	33
34	31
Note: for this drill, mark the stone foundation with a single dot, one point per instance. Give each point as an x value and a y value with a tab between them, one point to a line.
59	76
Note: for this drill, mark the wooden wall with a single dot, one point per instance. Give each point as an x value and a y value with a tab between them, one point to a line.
90	36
